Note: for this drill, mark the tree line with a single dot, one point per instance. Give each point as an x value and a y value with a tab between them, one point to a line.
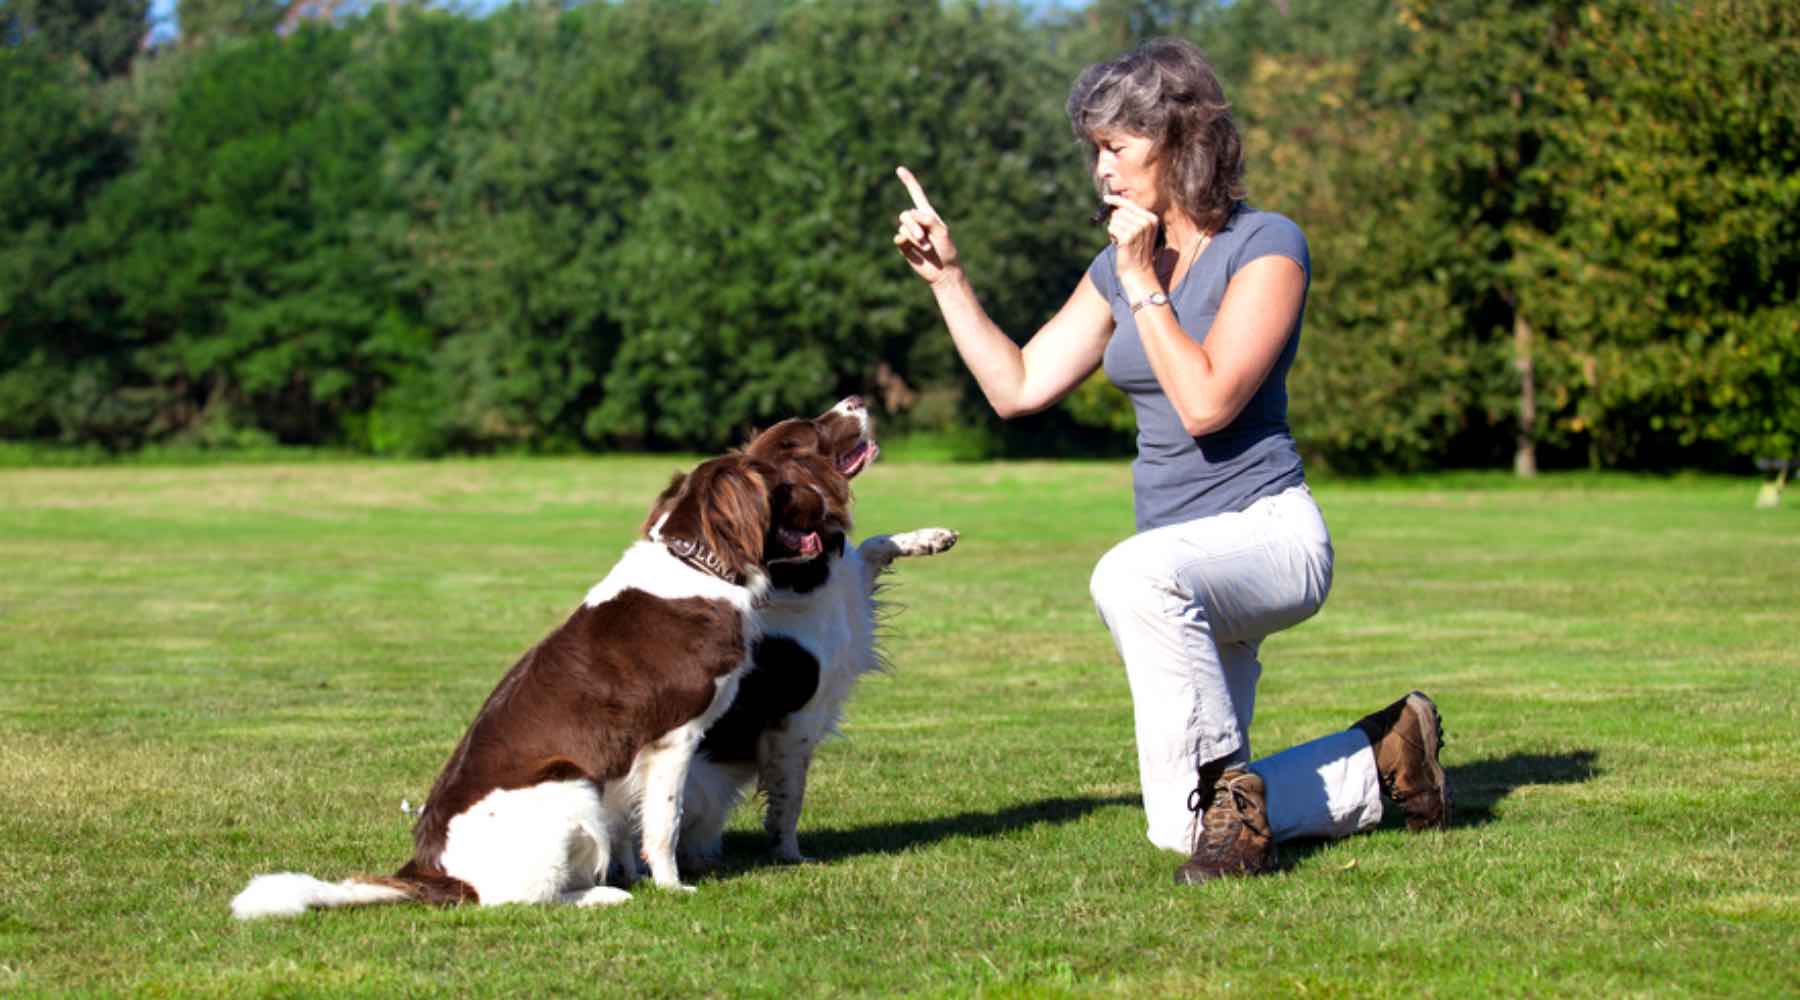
1543	232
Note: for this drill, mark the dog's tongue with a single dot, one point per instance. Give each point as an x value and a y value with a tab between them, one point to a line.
807	544
856	458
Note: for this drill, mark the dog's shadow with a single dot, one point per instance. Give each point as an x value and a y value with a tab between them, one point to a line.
745	851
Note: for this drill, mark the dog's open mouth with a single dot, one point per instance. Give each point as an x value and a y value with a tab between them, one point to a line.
853	461
804	544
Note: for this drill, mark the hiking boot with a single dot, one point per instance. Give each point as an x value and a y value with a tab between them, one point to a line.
1232	836
1406	736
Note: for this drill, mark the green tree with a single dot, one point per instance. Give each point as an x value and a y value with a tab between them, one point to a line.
204	22
551	159
760	278
246	249
56	150
104	34
1099	29
1672	282
416	75
1236	35
1389	371
1473	79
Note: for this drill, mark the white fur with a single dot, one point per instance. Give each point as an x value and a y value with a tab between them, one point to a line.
853	407
529	845
654	792
557	840
653	569
545	843
647	805
836	624
289	894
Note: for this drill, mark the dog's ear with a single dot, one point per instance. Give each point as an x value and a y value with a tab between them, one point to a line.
738	514
749	441
783	440
724	505
665	501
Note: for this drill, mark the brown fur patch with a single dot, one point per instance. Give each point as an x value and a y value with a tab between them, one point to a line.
434	888
584	701
611	679
724	505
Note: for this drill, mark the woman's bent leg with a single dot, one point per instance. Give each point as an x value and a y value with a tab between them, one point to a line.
1187	606
1325	788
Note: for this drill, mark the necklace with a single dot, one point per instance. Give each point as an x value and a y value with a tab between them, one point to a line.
1177	272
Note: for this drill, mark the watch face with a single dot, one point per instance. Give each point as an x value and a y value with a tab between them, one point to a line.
1153	299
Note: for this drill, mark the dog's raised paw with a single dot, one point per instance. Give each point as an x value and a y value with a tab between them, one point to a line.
925	541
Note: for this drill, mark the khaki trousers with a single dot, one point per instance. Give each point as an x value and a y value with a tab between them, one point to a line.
1188	606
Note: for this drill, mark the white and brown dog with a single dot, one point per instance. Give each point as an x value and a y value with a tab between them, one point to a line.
818	641
593	730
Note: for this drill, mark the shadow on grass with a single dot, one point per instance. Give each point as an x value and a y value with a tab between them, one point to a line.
744	851
1477	787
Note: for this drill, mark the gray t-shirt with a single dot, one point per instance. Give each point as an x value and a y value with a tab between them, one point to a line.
1178	477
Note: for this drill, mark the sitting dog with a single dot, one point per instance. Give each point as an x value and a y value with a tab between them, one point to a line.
818	641
596	725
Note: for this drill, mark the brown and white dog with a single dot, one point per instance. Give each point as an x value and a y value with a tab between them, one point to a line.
818	641
594	729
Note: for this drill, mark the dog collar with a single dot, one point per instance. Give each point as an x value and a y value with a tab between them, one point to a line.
697	555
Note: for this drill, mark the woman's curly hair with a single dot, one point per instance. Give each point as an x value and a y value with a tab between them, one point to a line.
1166	91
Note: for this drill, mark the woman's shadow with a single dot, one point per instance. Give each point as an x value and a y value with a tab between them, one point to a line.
1476	787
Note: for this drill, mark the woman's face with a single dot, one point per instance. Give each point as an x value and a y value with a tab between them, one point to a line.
1126	166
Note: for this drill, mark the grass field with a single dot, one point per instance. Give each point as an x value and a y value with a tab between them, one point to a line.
211	672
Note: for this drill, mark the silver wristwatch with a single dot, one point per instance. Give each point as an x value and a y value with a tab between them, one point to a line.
1153	299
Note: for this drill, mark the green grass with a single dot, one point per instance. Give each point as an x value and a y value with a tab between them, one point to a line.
208	672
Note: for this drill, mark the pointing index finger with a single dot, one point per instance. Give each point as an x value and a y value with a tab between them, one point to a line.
920	202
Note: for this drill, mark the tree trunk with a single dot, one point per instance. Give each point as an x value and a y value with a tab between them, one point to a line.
1525	455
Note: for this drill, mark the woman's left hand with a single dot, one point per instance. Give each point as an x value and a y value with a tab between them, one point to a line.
1133	230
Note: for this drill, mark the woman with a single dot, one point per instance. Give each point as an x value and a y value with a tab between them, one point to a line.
1194	309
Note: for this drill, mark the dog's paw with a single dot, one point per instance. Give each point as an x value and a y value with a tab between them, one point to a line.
924	542
602	895
793	857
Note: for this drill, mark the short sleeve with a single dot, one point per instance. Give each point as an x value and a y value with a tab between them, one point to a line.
1277	235
1105	273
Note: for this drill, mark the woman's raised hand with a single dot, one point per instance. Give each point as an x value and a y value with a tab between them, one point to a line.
923	238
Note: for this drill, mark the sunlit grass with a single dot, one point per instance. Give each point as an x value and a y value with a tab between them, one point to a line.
209	672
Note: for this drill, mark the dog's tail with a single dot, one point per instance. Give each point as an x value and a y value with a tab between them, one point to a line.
289	894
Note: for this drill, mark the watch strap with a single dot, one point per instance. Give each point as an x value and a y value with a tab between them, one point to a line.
1157	298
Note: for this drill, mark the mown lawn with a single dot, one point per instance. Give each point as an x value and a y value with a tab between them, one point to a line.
207	673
